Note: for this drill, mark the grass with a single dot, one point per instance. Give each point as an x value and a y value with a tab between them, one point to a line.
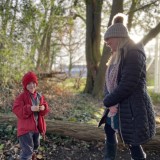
75	85
155	97
82	107
85	109
88	109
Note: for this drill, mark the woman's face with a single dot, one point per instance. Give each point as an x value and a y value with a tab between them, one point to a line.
31	87
112	43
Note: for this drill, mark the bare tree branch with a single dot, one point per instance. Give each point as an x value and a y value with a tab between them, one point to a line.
153	33
77	15
143	7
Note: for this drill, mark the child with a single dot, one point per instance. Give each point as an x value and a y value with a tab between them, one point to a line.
30	108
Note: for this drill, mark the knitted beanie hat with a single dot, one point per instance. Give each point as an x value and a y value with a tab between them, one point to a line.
29	77
117	29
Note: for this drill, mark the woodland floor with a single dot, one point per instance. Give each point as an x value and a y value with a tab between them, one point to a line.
63	148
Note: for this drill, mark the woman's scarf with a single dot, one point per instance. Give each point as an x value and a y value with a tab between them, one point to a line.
111	84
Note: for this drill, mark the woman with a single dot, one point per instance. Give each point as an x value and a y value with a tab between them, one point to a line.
129	109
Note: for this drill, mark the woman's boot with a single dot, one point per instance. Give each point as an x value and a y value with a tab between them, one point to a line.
110	151
137	152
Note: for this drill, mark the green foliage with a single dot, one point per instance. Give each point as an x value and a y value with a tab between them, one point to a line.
155	97
84	109
7	130
13	61
1	147
150	79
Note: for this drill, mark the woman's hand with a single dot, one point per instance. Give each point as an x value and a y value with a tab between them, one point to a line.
112	111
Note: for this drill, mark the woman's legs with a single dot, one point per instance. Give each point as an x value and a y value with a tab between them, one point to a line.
110	134
137	152
110	143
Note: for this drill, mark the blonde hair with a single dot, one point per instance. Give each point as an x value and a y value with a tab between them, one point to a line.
116	57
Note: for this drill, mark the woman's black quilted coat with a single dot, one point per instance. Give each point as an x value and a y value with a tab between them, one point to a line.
136	115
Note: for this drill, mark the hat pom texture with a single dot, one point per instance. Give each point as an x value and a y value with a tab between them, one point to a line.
28	78
118	20
118	28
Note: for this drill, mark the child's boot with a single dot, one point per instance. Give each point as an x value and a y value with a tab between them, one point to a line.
34	156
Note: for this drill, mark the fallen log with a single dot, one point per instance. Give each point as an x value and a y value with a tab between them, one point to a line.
81	131
57	75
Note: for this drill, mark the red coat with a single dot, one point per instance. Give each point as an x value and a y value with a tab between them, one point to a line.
26	121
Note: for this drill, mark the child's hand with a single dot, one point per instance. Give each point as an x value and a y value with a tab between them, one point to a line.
42	108
35	108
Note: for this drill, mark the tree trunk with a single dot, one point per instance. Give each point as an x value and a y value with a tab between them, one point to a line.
40	52
117	7
93	23
131	14
14	18
100	78
80	131
5	15
47	53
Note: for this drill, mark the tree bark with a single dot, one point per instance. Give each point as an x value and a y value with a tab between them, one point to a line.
100	78
80	131
131	14
93	23
117	7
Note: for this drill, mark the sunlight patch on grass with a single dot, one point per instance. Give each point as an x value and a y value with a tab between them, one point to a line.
158	120
93	122
73	84
99	113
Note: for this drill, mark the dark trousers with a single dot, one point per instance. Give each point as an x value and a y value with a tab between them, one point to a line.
137	152
110	134
29	143
110	143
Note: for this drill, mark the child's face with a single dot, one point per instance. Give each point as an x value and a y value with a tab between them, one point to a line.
31	87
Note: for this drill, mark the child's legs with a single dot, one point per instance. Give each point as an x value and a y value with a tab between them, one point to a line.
26	144
36	141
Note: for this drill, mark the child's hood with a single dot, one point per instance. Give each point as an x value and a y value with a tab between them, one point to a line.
29	77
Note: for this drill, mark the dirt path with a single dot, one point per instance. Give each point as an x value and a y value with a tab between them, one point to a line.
98	155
